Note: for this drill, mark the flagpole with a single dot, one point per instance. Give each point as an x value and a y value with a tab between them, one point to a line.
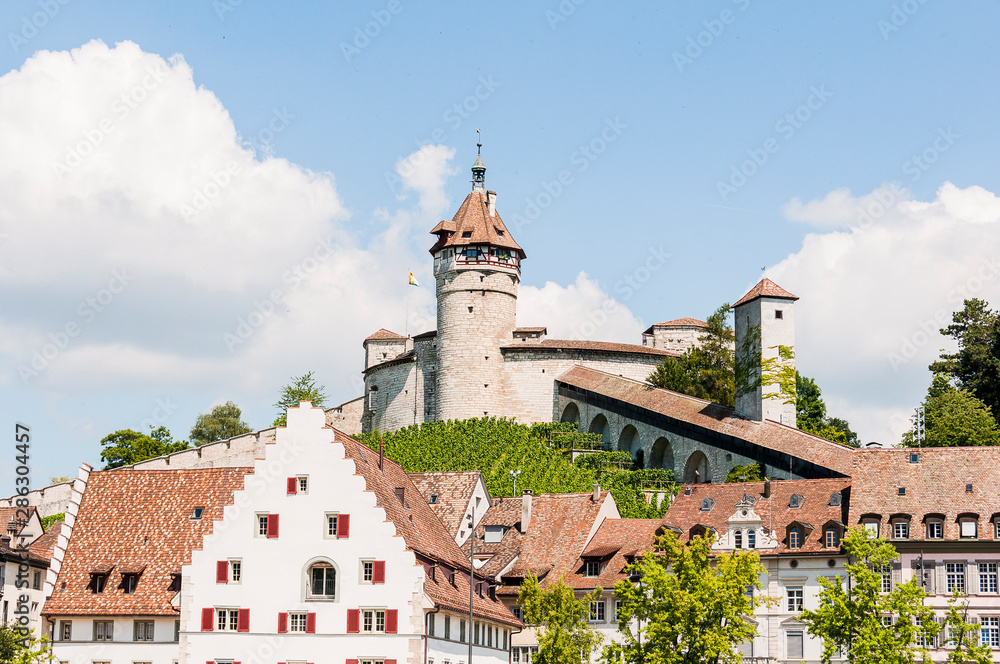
406	323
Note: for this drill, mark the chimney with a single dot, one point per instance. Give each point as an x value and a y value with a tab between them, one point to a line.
5	541
525	510
767	488
491	202
597	493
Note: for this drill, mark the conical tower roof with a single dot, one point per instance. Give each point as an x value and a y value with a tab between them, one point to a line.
473	224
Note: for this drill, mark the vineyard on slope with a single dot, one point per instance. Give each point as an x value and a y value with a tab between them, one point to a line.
496	446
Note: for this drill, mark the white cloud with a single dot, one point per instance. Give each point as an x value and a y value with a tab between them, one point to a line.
874	296
581	310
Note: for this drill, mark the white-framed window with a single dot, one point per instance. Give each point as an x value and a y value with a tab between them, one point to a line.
996	529
196	513
447	627
104	630
990	631
900	530
373	621
593	568
331	524
751	539
955	577
66	630
618	608
494	534
886	573
871	527
227	620
968	528
987	577
143	630
793	645
303	481
367	571
794	595
235	570
297	622
935	530
322	581
597	611
382	661
738	539
262	525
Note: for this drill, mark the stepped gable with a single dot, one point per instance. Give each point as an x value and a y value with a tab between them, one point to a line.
678	322
558	531
765	288
616	544
421	529
454	493
935	486
473	220
383	334
776	513
599	346
714	417
139	520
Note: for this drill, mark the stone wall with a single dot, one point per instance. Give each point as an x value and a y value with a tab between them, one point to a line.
396	401
378	351
476	315
676	338
347	416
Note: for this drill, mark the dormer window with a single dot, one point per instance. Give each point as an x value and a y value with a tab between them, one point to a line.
835	499
129	582
968	528
466	234
592	568
901	530
97	583
196	513
494	534
707	504
831	538
795	501
935	529
914	458
434	499
795	538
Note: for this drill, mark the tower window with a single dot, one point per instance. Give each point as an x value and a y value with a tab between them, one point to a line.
778	313
470	310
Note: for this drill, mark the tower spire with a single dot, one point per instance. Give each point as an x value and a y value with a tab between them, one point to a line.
478	168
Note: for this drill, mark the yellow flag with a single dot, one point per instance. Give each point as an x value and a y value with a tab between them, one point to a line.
413	281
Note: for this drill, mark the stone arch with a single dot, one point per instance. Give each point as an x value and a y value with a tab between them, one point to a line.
571	413
697	463
628	439
662	454
600	425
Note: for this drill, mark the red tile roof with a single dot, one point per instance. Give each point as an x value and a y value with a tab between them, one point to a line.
454	492
679	322
765	288
935	485
9	518
714	417
384	334
131	518
600	346
616	542
46	544
776	513
473	217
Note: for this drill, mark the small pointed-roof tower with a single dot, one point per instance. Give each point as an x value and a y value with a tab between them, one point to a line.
479	168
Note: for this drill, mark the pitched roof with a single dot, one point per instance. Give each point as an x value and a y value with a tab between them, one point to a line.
420	528
505	512
557	533
776	513
765	288
384	335
473	218
133	518
9	518
531	329
616	542
46	544
557	345
454	492
935	485
687	321
714	417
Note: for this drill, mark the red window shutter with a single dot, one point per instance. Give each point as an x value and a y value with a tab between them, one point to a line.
310	623
293	485
391	618
243	623
343	526
272	526
353	621
352	661
282	623
378	571
222	571
207	619
388	661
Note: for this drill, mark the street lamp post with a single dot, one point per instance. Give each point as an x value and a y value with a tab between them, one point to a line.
472	572
514	474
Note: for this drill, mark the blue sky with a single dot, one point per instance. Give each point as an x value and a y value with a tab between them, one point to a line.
670	99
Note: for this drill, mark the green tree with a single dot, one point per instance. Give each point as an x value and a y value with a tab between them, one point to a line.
223	422
126	446
976	365
689	606
855	620
566	636
706	371
810	414
963	636
752	472
303	388
954	418
16	649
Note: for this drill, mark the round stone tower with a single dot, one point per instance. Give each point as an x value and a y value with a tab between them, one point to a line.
477	268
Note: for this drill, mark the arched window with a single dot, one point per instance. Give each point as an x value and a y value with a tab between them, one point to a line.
751	539
738	539
322	581
795	538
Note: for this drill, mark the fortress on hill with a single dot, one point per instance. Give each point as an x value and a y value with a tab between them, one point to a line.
478	363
